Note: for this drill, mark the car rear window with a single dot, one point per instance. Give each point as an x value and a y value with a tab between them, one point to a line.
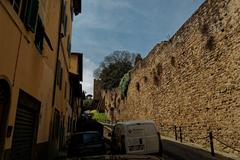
91	138
86	138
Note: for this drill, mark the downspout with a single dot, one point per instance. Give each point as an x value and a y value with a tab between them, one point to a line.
58	52
55	73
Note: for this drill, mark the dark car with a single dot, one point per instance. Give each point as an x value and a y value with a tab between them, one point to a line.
86	144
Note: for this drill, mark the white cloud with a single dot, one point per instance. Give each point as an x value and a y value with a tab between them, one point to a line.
88	68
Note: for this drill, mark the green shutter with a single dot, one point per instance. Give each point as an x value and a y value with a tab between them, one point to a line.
61	76
69	46
39	36
32	12
63	10
65	25
58	71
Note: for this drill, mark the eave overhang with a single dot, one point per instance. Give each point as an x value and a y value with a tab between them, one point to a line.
77	6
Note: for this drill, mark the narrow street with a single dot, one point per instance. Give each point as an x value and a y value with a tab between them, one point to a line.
115	79
173	150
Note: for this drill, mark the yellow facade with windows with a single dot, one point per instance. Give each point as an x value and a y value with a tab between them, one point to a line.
38	86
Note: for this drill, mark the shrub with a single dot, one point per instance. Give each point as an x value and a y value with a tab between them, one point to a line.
100	117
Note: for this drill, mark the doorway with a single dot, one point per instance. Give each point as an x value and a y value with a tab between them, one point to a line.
26	126
4	109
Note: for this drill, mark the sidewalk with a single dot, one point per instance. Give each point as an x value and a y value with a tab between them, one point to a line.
187	151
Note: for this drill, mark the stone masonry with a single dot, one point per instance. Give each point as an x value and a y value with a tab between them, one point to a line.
192	80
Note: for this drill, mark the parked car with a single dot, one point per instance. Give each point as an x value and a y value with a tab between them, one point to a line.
136	137
86	144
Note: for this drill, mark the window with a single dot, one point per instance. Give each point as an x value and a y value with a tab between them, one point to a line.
39	36
70	95
56	124
63	11
23	11
59	74
64	19
31	14
65	92
27	10
16	5
65	24
69	46
71	9
68	128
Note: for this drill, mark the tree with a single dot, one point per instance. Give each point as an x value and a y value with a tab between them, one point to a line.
113	68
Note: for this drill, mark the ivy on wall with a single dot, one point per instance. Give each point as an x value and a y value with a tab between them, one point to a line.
123	85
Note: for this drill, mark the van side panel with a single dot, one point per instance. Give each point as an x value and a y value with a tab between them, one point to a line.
141	139
152	144
152	138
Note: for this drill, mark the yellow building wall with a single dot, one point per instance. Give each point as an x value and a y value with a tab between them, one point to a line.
74	64
69	31
32	71
25	67
9	44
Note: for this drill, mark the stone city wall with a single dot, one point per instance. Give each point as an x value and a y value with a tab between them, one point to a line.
192	80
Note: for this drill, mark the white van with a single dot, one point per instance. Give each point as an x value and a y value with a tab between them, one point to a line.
136	137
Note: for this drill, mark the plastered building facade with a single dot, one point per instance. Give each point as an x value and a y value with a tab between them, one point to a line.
35	88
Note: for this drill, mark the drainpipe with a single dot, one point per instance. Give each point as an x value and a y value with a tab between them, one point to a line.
55	73
58	51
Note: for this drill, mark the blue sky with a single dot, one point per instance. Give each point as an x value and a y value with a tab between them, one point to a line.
134	25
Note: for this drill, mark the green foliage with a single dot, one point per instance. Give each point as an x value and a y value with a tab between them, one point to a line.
100	117
87	103
113	68
123	85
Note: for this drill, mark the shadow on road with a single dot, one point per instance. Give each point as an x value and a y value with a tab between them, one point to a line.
174	150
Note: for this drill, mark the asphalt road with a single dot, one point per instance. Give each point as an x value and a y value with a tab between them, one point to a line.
173	150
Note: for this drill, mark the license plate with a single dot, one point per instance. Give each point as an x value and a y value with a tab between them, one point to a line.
136	148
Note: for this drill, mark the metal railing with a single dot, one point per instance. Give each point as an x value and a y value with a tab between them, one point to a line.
179	135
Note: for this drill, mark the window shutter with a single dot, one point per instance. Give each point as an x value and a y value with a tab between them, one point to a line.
71	9
39	36
65	25
63	18
63	12
58	72
32	12
61	76
69	45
